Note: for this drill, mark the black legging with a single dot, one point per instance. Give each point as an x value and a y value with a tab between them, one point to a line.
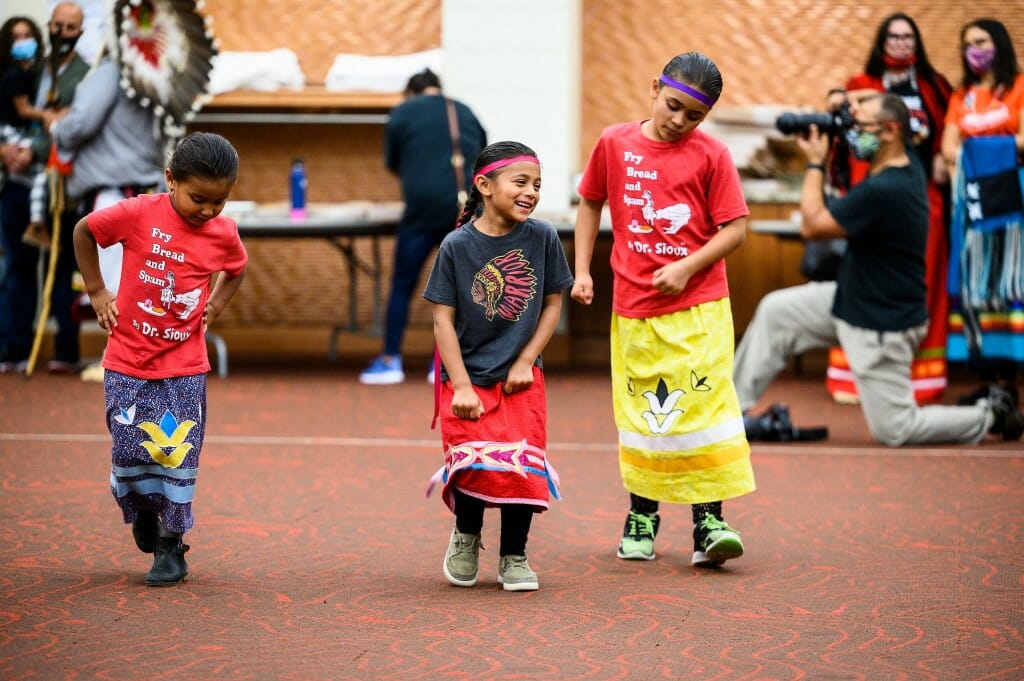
515	522
639	504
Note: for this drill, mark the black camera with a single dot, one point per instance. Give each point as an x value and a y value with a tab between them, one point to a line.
828	123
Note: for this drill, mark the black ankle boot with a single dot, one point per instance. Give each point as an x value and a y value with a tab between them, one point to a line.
169	566
145	529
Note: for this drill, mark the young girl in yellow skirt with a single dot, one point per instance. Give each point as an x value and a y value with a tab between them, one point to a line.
677	210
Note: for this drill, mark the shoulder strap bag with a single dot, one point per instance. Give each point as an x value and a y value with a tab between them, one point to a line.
458	160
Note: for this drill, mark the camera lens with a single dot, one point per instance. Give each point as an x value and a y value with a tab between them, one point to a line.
793	124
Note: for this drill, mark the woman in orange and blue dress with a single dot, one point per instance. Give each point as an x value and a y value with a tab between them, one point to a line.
982	145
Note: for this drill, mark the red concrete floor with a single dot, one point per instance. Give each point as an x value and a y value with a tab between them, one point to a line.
316	555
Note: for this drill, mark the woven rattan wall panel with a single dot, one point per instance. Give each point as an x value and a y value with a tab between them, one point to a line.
787	53
343	162
317	30
303	282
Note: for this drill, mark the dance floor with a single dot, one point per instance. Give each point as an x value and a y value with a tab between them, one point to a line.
316	554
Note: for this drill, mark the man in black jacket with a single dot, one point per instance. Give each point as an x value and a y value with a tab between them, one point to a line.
418	148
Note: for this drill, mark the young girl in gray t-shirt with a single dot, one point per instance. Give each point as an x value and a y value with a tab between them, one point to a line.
496	287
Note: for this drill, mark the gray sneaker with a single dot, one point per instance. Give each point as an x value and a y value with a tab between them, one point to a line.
514	574
461	562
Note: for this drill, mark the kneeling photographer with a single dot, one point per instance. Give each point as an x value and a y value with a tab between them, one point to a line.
875	310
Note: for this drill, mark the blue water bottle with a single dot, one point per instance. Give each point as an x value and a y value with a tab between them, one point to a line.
297	184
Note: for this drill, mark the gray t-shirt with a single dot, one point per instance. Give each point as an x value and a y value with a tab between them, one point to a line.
497	286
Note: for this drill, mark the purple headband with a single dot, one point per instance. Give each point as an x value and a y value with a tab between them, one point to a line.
504	162
696	94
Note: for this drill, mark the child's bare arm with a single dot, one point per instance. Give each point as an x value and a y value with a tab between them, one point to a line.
223	291
588	223
26	110
101	298
672	278
520	374
465	402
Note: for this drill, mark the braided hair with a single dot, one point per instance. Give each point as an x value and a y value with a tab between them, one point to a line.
493	152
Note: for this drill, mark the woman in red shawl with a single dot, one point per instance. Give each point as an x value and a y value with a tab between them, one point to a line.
898	64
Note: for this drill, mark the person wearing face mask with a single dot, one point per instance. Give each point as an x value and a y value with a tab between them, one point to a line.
63	69
898	63
20	62
118	149
875	310
982	145
19	69
20	65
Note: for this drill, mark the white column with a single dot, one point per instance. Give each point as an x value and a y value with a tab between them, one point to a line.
38	10
517	65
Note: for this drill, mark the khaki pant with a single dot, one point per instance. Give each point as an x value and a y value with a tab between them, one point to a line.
793	320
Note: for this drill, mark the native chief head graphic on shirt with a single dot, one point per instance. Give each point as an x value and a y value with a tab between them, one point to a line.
505	286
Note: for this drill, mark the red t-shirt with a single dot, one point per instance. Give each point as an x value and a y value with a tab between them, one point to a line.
977	112
165	282
666	201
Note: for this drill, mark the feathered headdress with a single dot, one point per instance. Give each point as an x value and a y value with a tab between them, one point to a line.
164	49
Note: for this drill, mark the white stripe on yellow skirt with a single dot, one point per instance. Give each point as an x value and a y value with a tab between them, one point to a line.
681	436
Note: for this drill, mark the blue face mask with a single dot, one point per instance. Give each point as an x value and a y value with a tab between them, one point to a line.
24	49
864	145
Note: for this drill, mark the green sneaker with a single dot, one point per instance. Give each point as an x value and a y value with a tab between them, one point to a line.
514	574
461	562
714	542
638	536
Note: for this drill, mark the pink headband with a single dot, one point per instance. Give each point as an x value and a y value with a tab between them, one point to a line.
502	163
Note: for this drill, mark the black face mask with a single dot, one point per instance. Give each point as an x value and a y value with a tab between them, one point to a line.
63	46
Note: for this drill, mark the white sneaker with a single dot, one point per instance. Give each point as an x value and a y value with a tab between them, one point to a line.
383	371
18	367
92	373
